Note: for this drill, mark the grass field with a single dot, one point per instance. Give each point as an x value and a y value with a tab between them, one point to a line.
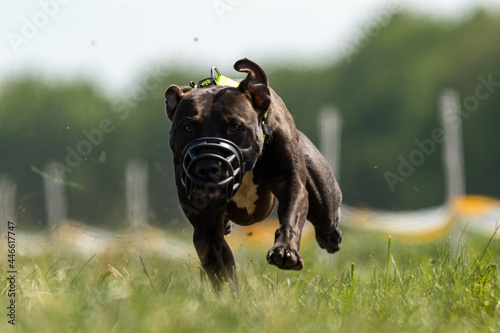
375	284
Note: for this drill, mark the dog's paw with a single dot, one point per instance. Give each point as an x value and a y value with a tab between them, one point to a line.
285	258
331	242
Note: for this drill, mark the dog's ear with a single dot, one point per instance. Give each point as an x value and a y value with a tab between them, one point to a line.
173	96
255	84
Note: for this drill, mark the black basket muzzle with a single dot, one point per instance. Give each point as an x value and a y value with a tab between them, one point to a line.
226	157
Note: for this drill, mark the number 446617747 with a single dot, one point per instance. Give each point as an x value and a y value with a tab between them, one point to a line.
11	242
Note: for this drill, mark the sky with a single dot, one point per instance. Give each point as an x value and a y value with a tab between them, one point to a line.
113	42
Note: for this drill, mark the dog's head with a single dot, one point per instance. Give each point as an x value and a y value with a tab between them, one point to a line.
216	133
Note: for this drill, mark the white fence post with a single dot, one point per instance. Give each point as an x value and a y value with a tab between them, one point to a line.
453	157
330	127
56	204
8	190
136	180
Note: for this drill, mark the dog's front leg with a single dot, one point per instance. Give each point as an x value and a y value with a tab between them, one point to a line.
215	256
292	213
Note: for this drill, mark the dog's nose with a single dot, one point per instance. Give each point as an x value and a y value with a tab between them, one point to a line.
207	170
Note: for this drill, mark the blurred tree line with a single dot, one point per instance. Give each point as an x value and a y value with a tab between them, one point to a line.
387	91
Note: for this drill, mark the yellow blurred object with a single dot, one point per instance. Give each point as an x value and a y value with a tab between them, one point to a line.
481	214
474	204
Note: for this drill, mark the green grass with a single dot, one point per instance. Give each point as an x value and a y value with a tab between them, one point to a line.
375	284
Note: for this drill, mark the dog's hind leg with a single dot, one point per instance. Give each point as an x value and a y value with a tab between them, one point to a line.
325	198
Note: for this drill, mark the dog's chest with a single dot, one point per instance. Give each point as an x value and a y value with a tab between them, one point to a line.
246	196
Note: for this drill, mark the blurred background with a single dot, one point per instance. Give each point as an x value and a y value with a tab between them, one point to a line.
83	132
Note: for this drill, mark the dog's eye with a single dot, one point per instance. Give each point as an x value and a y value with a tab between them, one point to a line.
188	128
234	127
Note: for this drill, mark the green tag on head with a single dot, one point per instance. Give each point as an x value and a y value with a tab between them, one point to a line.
224	81
217	79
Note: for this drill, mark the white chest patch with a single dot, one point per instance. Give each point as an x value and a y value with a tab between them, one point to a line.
246	196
